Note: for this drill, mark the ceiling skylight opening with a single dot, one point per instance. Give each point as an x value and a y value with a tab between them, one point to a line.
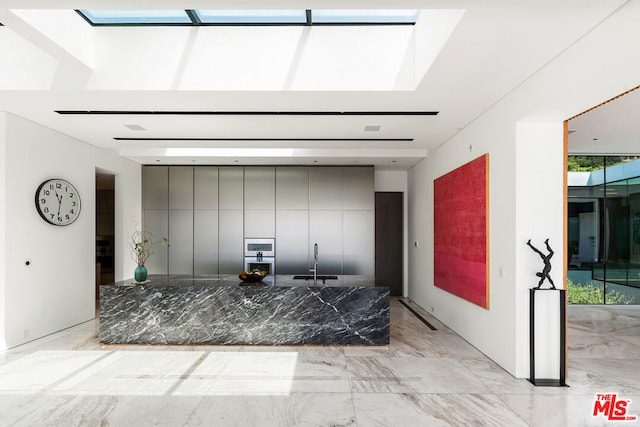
380	16
249	17
136	17
252	16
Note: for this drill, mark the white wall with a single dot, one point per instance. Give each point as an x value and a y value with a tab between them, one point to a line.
3	246
491	331
523	135
57	289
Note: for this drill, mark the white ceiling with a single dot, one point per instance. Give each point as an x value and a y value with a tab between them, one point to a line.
496	46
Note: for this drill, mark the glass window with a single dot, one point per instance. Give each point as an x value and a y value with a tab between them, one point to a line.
364	16
252	16
124	17
249	17
604	231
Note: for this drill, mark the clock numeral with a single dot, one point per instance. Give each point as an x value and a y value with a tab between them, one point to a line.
58	185
47	192
52	215
72	212
71	195
43	200
72	204
59	219
51	186
46	210
66	217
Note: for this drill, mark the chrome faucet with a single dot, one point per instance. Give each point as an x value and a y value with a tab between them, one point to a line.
315	264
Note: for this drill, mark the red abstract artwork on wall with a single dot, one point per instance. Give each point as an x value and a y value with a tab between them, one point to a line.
461	231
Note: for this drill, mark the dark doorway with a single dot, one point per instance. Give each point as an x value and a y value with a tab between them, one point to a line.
105	213
389	241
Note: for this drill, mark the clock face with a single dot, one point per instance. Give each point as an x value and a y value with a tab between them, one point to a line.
58	202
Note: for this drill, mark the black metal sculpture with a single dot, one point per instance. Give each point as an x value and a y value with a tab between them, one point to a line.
544	274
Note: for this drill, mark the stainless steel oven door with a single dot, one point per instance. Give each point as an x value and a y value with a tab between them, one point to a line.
259	247
261	264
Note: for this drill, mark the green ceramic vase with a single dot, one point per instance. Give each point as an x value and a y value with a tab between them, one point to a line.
140	274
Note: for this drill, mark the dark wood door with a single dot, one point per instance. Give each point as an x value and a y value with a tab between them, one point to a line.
389	241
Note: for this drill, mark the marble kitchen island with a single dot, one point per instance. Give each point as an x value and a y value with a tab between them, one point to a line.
220	309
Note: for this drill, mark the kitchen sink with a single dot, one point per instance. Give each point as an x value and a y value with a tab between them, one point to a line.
318	277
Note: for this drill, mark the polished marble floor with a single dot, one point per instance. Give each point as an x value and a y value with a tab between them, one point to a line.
423	378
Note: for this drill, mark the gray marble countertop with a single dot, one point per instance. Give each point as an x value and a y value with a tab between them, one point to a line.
280	280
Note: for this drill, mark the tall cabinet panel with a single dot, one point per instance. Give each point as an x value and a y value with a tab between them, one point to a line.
156	221
260	223
230	187
259	187
230	219
155	184
259	202
357	187
230	241
292	241
325	188
359	242
180	241
155	214
180	187
205	220
325	229
292	187
205	241
205	187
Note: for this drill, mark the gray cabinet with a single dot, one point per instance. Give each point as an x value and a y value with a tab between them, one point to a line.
207	211
259	201
325	188
180	241
180	187
156	222
357	186
260	188
292	241
155	185
205	241
231	188
205	187
259	223
230	241
292	187
325	229
359	242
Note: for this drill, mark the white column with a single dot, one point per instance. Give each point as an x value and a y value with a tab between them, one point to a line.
539	195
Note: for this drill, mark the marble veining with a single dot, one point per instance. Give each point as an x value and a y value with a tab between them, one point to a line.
235	315
68	378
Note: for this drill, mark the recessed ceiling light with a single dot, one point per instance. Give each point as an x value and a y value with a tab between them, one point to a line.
157	160
393	161
134	127
315	161
372	128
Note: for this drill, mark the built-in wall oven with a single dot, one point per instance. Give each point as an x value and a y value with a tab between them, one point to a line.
260	254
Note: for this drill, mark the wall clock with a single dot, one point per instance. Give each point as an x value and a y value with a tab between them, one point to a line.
58	202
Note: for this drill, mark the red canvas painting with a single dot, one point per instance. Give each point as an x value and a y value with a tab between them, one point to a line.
461	231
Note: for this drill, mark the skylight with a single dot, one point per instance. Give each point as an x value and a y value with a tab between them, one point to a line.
364	16
135	17
249	17
252	16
